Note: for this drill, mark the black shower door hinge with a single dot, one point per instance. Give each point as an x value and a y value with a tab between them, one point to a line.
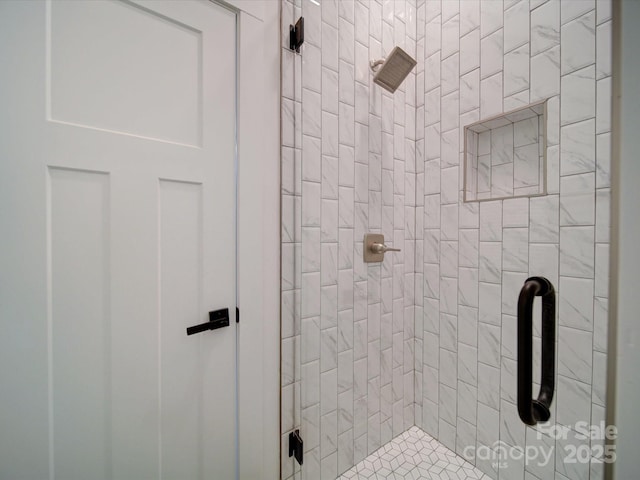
295	445
296	35
237	315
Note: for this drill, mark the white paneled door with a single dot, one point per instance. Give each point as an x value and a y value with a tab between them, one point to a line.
117	224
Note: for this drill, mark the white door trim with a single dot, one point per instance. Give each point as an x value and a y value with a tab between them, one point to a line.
258	237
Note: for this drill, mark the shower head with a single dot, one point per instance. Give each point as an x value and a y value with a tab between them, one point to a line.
394	69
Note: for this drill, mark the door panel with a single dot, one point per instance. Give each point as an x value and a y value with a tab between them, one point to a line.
79	322
117	196
181	294
141	70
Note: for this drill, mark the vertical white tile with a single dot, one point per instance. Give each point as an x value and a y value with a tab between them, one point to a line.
491	221
515	249
512	430
600	324
346	39
576	251
573	9
467	394
450	74
602	270
599	378
603	202
526	167
603	160
515	212
545	74
491	95
311	114
579	43
432	72
488	424
450	9
603	10
543	262
449	222
449	295
375	20
470	51
450	108
329	134
490	301
470	91
469	15
362	70
450	35
516	25
545	26
489	344
449	147
491	56
578	95
311	65
570	391
575	351
468	248
330	90
433	36
603	50
575	305
468	287
502	180
574	401
330	46
577	148
346	125
491	17
544	219
577	199
511	284
490	262
603	105
361	23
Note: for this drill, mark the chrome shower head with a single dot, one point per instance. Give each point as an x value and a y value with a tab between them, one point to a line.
394	69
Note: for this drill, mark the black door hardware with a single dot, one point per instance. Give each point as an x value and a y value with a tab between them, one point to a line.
296	35
533	411
295	446
217	319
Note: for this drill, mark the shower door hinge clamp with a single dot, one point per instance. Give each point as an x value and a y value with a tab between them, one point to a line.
296	35
295	446
237	315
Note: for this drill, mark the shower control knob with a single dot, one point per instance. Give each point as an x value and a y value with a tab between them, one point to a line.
375	248
382	248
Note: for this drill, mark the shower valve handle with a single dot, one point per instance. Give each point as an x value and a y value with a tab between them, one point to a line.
382	248
374	248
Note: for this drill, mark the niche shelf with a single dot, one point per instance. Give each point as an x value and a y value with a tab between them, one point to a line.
506	156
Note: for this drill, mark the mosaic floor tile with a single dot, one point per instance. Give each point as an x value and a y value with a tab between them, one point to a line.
414	455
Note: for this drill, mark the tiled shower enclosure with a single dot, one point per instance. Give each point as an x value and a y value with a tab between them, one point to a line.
426	340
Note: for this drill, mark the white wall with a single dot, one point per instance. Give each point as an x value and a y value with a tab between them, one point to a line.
626	234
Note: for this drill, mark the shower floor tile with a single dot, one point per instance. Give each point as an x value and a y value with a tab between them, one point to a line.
411	456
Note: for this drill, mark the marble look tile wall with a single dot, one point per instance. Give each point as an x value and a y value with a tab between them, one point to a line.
428	337
482	58
349	155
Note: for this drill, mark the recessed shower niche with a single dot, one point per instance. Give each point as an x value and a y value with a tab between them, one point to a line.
505	155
